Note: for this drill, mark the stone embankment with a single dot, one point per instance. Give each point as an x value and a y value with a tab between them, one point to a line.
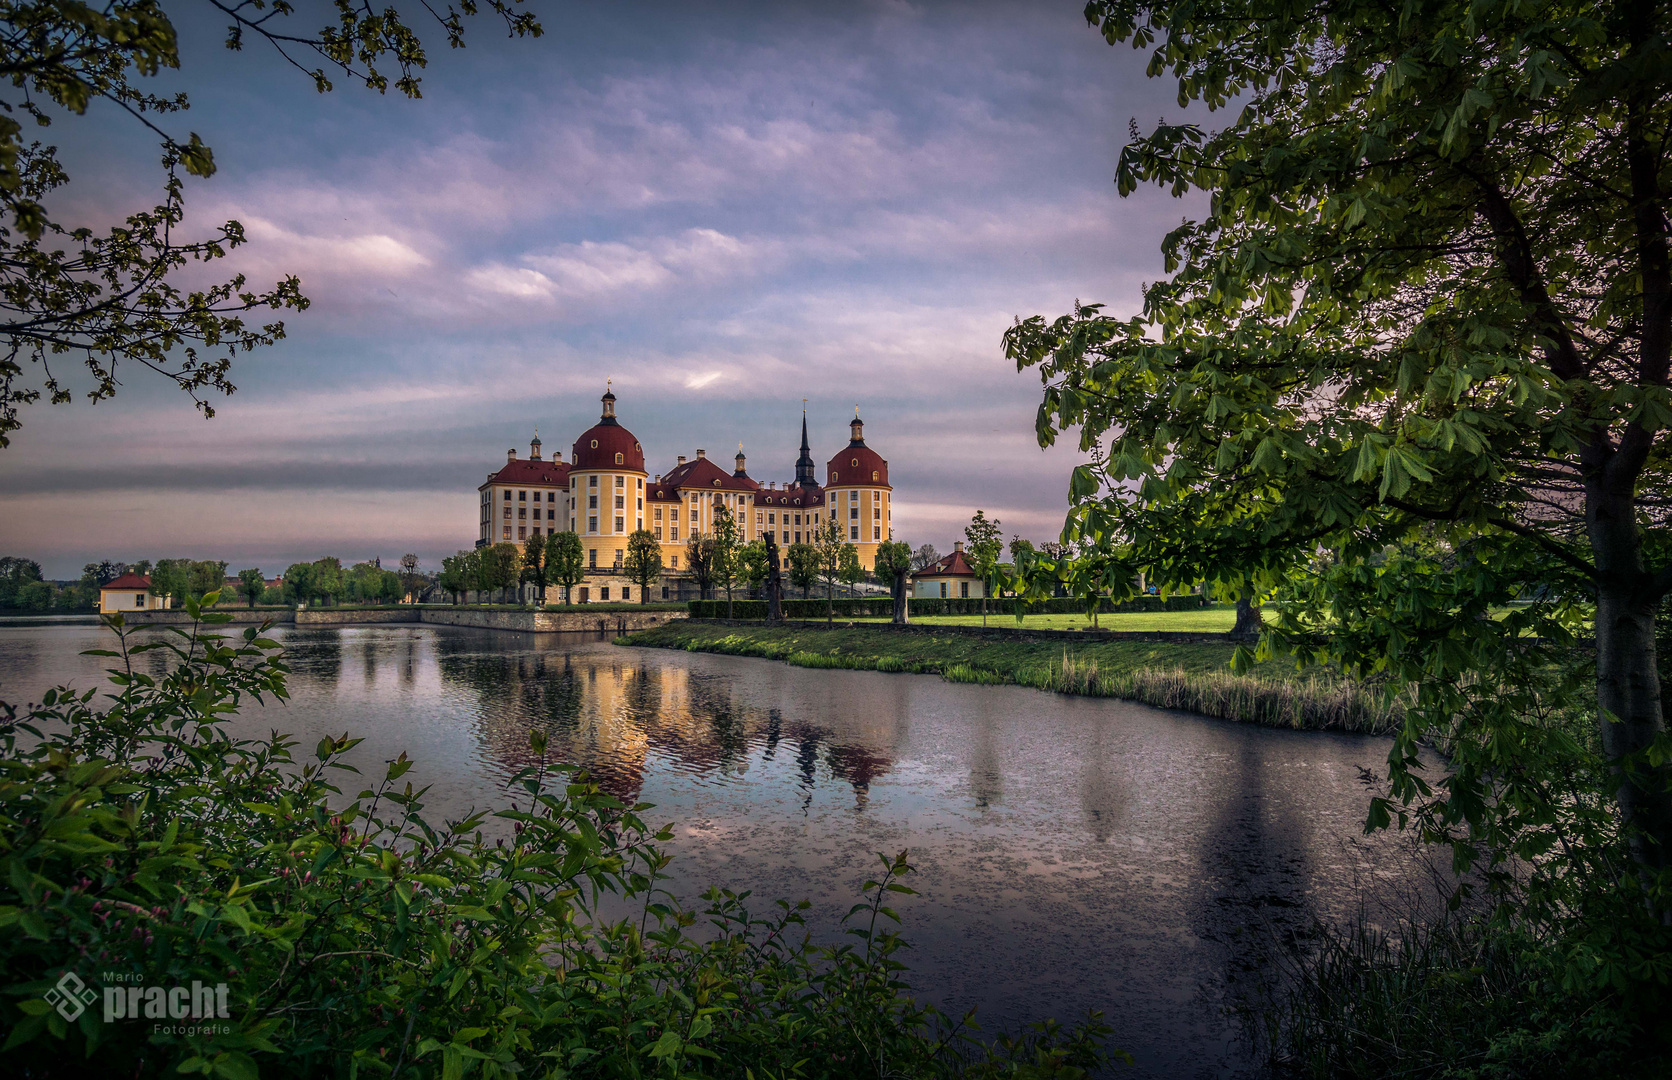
607	621
1005	633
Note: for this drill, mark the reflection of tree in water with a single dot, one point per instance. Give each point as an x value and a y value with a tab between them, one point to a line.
315	656
608	716
986	778
1101	797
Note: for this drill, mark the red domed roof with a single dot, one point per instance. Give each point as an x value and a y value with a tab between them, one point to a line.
856	465
599	445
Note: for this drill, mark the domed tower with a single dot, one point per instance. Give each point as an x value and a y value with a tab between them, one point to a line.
606	488
857	493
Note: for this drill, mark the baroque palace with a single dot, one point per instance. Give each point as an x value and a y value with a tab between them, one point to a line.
604	494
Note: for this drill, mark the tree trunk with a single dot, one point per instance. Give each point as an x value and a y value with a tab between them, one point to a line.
1628	679
901	616
1248	619
774	584
728	600
830	600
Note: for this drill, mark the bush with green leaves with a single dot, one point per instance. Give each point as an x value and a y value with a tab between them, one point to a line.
146	842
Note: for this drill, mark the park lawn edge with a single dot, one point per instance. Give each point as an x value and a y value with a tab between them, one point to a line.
1192	677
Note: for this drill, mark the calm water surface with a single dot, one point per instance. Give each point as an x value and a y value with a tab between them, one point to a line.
1072	854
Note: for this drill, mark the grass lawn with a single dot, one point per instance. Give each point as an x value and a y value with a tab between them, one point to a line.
1192	676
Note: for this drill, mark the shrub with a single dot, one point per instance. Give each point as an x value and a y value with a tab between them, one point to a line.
355	937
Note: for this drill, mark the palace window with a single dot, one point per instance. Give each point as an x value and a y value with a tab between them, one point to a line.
604	593
522	496
507	512
876	513
619	526
964	590
673	532
693	514
853	532
760	517
522	512
674	564
641	483
771	519
832	476
620	481
943	590
139	600
876	532
592	524
785	537
618	461
798	519
620	502
592	481
853	512
505	534
591	561
641	506
507	494
656	514
873	476
522	532
658	531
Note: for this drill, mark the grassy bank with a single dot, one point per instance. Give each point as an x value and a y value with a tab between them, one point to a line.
1193	677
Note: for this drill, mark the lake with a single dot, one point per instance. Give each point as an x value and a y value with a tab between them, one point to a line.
1071	853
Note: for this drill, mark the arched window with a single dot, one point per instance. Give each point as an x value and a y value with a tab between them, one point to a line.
873	476
854	463
833	476
594	444
618	459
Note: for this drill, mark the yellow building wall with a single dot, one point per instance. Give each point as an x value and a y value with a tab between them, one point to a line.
607	506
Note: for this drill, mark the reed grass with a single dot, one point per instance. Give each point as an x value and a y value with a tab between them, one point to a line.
1192	678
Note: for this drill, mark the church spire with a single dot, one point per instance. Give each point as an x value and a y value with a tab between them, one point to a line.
806	474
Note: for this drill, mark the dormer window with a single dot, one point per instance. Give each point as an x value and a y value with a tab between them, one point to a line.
834	476
854	463
594	444
873	476
618	459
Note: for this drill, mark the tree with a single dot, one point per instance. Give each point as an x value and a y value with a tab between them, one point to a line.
15	573
643	564
804	567
252	584
829	542
851	571
171	579
728	542
534	570
458	573
327	580
751	564
1425	330
564	562
412	579
924	557
894	562
115	298
298	582
983	544
503	564
699	561
100	574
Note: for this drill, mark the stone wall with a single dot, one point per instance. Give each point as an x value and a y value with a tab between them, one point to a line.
345	616
240	617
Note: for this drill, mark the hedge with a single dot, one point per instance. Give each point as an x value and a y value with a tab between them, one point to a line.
884	608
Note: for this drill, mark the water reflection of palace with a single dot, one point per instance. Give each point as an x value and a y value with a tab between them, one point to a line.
610	716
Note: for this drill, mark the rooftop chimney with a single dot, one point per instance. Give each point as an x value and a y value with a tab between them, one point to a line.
957	545
702	453
511	454
682	459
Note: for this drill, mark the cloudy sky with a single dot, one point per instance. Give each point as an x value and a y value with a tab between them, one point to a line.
724	208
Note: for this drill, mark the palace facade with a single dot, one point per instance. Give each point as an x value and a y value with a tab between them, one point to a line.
604	494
